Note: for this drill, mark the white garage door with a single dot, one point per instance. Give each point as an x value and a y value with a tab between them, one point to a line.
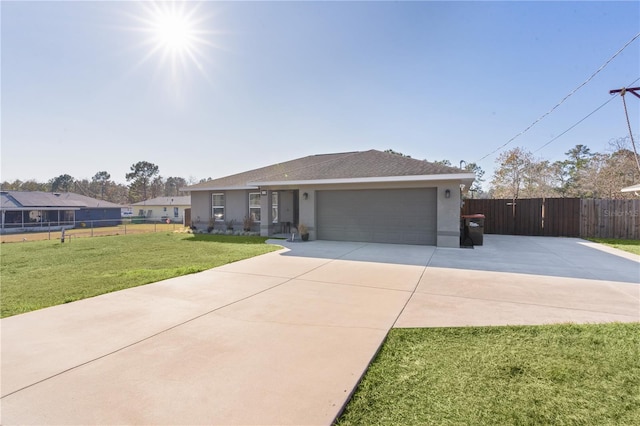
402	216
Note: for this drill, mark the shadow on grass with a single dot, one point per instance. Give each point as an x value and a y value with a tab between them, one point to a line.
229	239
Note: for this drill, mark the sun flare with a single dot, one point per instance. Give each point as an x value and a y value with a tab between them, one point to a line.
177	34
173	30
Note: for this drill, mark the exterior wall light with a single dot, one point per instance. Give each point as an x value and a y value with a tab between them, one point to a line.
447	194
305	196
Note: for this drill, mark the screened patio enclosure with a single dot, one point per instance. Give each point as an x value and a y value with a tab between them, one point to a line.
33	218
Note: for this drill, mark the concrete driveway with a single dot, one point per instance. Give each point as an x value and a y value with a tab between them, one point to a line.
285	337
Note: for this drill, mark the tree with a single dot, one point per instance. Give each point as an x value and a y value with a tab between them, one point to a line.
476	186
560	177
157	187
509	177
102	179
140	176
609	173
118	193
62	183
172	186
538	180
576	165
28	185
390	151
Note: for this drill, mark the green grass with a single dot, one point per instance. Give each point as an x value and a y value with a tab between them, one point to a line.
632	246
46	273
525	375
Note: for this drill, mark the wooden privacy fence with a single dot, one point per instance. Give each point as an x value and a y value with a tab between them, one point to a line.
610	219
559	217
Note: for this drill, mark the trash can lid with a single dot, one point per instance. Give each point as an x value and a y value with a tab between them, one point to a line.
473	216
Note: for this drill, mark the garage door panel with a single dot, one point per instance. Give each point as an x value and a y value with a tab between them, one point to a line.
406	216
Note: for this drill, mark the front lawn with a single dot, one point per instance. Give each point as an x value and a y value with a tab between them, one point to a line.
517	375
632	246
45	273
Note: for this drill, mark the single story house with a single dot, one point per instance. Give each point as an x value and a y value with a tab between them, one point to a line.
368	196
163	208
30	210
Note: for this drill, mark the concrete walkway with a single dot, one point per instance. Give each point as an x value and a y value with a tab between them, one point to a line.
285	337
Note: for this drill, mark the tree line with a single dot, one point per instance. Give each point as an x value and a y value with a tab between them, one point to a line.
144	182
582	174
518	174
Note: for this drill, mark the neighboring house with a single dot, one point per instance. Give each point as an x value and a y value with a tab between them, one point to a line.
163	208
23	210
367	196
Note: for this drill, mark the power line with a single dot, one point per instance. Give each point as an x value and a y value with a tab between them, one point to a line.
580	121
570	128
563	99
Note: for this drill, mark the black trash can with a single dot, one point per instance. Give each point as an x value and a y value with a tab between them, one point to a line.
473	228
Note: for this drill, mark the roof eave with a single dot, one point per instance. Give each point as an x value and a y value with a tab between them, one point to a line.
220	188
29	208
463	177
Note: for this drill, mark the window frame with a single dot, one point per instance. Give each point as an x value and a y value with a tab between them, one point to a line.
220	206
274	206
255	207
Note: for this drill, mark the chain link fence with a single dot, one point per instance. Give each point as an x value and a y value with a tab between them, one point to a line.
93	228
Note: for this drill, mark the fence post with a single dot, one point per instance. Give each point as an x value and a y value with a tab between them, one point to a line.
92	228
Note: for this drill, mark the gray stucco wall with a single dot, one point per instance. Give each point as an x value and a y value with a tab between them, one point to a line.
236	208
448	230
200	207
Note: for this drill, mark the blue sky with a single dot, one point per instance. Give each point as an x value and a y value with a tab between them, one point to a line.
281	80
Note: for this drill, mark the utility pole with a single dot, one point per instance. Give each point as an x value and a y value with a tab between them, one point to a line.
633	91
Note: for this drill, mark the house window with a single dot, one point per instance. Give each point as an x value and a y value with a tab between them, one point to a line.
254	206
175	212
164	209
217	207
274	206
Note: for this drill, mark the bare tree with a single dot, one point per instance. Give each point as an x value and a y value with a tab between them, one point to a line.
508	178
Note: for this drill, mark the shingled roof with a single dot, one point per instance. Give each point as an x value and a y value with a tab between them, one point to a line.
347	165
182	200
38	199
